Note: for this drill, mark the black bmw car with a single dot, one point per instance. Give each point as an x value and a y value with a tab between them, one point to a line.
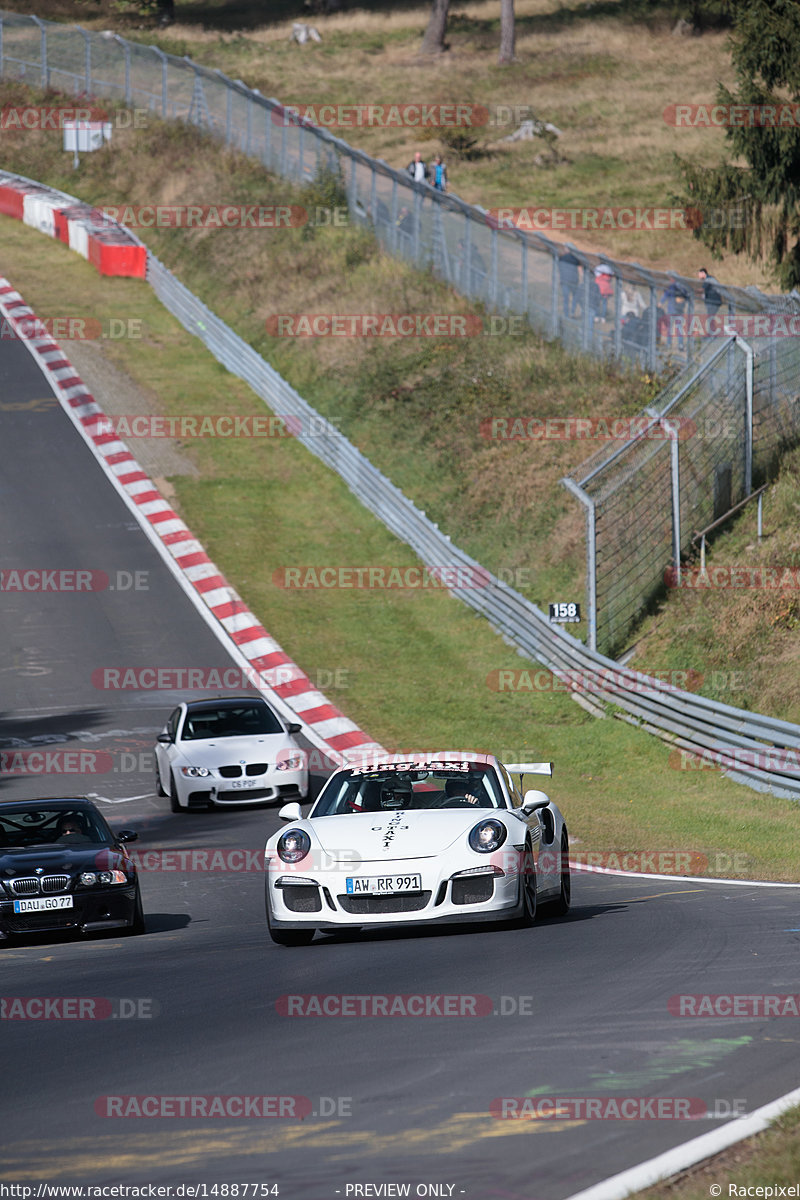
63	868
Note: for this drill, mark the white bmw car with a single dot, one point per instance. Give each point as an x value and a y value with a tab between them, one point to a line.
229	751
426	839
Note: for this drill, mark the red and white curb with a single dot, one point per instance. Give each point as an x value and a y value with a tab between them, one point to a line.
240	632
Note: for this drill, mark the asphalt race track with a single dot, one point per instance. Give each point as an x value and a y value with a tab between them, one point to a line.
576	1008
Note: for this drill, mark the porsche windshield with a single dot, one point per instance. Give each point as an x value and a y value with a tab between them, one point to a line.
229	720
436	788
27	828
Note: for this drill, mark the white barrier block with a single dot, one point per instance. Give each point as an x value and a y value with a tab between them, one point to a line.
38	212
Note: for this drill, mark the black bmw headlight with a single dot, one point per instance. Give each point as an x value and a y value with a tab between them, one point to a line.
293	845
90	878
487	836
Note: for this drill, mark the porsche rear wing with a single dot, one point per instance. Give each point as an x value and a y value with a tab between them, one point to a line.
541	768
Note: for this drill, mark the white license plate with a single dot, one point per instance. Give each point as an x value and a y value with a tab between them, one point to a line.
384	883
244	783
42	904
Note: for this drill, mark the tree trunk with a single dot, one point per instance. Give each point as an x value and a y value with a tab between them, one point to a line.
507	32
433	41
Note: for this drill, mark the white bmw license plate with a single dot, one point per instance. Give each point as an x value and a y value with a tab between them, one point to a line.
243	783
43	903
384	883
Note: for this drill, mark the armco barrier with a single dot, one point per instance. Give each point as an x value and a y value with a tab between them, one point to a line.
759	751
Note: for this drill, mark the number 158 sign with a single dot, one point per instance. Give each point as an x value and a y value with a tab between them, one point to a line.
565	612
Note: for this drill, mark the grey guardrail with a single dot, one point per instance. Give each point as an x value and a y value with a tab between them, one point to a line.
759	751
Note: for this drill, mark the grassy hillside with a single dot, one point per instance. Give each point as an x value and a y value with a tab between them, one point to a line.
602	73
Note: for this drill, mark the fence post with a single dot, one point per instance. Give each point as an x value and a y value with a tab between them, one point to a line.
417	225
554	291
42	50
748	422
653	339
87	61
588	313
164	90
127	52
591	555
493	269
675	482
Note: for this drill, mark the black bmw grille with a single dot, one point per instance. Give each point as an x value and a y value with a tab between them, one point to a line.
32	886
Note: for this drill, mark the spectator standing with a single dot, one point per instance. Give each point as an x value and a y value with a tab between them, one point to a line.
418	169
631	302
604	278
675	297
712	297
439	172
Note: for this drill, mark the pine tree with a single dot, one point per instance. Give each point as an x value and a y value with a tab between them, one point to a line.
754	209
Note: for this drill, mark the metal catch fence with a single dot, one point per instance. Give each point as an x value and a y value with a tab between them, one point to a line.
712	437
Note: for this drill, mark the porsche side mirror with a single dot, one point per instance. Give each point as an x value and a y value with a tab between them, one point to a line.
290	812
164	738
127	835
534	800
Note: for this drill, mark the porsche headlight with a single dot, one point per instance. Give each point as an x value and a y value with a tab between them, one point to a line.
487	836
293	845
195	772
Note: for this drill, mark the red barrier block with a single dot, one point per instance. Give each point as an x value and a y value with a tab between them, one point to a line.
117	257
12	200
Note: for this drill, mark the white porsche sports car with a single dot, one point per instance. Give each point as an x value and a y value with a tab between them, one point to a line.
427	838
229	751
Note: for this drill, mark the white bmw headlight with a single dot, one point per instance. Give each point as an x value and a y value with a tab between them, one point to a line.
291	763
195	772
487	836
